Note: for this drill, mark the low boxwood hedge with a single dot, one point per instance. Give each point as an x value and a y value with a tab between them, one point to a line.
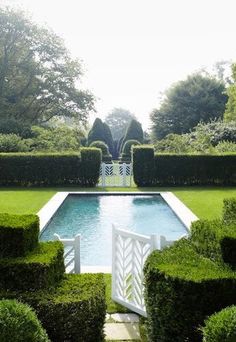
74	311
19	323
221	327
18	234
41	268
43	169
182	288
215	240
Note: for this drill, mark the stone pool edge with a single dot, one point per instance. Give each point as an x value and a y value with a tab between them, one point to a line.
185	215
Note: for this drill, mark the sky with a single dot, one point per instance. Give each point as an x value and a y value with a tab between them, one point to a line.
133	50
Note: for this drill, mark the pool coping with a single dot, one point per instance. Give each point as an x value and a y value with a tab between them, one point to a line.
46	213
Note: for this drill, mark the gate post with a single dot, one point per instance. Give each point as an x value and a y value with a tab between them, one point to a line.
103	174
77	253
124	174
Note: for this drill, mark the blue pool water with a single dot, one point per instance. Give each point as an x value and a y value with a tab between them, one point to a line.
92	216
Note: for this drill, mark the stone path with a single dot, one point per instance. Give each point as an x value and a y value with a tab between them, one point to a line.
122	327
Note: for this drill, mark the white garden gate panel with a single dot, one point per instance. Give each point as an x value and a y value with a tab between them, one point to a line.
115	175
129	253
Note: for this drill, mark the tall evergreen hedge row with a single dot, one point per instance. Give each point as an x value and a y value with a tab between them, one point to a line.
171	169
50	169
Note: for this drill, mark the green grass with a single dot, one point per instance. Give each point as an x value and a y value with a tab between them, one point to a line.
205	202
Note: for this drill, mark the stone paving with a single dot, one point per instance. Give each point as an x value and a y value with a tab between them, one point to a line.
122	327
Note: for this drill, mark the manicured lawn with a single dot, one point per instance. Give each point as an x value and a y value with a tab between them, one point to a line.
205	202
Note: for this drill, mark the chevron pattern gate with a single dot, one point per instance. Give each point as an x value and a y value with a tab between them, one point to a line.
129	252
115	175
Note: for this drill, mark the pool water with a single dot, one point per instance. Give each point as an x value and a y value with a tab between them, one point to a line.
92	216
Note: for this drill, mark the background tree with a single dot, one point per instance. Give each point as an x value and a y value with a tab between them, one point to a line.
230	112
118	121
196	99
37	75
133	132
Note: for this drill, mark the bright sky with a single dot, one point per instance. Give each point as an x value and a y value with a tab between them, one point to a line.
134	49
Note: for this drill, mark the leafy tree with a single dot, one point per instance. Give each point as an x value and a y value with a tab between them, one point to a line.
37	75
13	143
118	120
196	99
230	112
134	132
101	132
57	139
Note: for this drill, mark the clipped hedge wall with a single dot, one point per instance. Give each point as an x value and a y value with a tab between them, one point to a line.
182	289
229	210
143	165
19	323
221	327
50	169
18	234
171	169
40	269
74	311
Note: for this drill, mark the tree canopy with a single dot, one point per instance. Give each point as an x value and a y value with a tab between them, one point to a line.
197	99
38	78
230	112
118	120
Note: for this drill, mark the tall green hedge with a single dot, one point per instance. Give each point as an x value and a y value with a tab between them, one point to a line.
50	169
18	234
74	311
171	169
182	289
143	165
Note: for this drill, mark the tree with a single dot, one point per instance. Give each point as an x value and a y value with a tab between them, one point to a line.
134	132
37	75
230	112
118	121
101	132
197	99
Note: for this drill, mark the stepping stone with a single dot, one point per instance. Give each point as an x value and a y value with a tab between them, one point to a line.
122	331
125	318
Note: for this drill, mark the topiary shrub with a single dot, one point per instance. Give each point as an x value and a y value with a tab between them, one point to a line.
182	288
19	323
221	327
215	240
126	152
39	269
229	210
73	311
18	234
106	157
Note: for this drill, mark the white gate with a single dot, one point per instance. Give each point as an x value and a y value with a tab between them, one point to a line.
129	253
115	175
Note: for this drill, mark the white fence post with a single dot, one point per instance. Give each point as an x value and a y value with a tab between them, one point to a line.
77	253
124	174
103	174
71	253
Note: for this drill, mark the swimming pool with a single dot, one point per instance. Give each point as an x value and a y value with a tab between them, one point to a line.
92	216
